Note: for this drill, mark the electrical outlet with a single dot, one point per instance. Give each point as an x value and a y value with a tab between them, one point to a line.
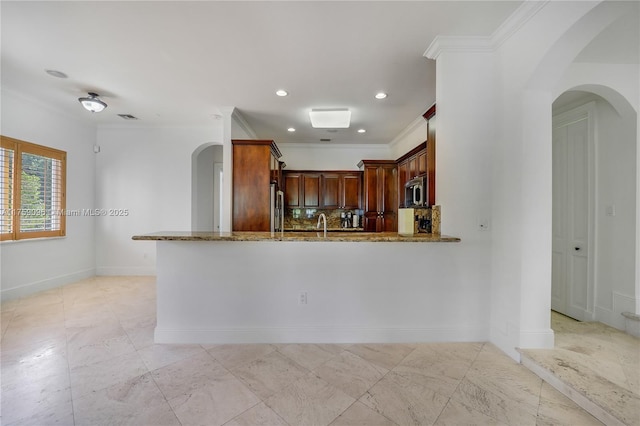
302	298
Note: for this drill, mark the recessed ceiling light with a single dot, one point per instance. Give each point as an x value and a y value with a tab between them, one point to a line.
381	95
291	129
56	73
282	93
361	130
336	118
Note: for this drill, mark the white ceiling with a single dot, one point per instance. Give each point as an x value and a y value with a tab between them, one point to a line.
176	63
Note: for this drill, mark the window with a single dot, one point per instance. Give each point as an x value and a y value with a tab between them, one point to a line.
32	190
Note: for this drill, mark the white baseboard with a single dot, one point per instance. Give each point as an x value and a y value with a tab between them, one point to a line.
125	270
48	284
319	335
537	339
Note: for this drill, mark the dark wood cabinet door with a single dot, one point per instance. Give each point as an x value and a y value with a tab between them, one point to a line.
422	162
413	167
403	177
371	193
292	190
371	221
331	194
388	186
311	190
351	194
388	222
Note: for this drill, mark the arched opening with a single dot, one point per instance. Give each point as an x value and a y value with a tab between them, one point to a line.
594	205
206	188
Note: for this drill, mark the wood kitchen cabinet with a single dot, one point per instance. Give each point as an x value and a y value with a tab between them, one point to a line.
410	165
301	190
323	189
342	190
255	165
380	180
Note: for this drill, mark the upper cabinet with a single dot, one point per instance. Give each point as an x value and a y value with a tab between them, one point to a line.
342	190
323	189
255	167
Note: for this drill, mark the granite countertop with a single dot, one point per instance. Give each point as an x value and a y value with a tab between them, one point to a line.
338	236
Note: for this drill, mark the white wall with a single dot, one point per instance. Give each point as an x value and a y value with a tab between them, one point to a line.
148	172
615	235
331	157
60	260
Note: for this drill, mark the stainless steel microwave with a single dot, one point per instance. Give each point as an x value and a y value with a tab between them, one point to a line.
416	192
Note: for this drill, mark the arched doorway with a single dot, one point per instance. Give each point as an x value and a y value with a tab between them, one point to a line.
594	205
206	184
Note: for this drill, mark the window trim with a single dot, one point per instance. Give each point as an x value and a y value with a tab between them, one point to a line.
18	147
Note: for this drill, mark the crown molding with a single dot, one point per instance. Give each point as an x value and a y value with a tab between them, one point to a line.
381	146
484	44
410	128
240	120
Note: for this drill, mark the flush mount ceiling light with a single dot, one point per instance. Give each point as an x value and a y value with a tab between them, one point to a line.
337	118
92	103
282	93
381	95
361	130
291	129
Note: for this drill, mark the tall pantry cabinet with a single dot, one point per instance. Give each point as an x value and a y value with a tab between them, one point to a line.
255	168
380	180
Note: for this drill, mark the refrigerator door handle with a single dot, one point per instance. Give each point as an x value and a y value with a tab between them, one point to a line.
281	210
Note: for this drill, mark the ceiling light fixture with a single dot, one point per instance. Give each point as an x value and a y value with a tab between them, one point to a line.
361	130
291	129
381	95
336	118
282	93
92	103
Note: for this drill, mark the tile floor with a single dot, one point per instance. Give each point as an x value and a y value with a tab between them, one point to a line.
84	354
596	364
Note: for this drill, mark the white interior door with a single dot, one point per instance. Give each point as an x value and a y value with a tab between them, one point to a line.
572	260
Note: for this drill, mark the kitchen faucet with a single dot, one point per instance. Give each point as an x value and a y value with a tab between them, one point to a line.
322	217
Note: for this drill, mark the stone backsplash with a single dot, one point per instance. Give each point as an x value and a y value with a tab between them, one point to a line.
308	218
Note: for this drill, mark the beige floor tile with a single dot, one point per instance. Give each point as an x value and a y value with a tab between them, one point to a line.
439	366
35	362
5	320
93	344
220	400
359	414
309	401
403	401
557	409
382	354
455	414
258	415
60	415
309	356
350	373
99	375
140	330
233	356
25	398
137	401
269	374
495	372
187	375
127	308
17	337
157	356
504	410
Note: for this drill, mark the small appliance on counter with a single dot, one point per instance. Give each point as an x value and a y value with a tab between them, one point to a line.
412	221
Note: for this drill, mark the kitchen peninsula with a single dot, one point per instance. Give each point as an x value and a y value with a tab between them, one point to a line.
262	287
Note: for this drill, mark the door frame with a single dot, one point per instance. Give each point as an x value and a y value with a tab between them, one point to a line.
586	111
